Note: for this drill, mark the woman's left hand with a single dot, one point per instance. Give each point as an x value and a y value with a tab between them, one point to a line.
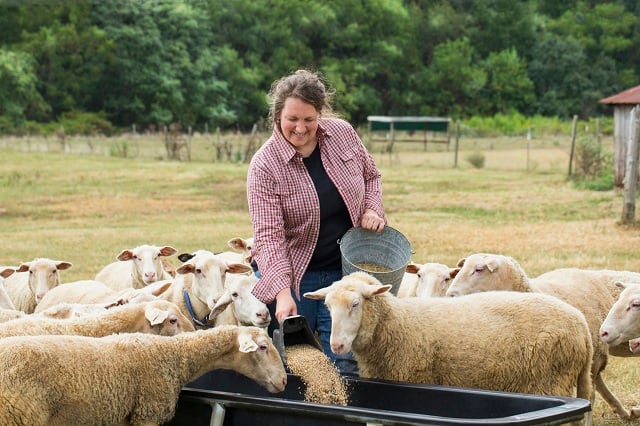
371	221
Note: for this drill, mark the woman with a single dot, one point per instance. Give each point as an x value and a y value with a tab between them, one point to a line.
310	182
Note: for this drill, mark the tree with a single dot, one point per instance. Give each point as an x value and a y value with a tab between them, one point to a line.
453	80
19	97
508	87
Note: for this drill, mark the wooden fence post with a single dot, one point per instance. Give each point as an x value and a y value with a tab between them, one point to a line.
573	144
455	157
631	170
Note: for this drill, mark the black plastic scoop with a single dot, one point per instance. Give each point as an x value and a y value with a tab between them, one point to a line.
294	330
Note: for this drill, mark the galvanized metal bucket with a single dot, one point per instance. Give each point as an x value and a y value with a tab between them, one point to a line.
389	249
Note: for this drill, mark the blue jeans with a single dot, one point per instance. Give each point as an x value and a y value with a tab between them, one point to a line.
318	316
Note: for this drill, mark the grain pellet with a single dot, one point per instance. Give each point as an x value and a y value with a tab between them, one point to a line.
324	383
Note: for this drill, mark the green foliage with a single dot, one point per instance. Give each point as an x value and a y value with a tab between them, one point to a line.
85	123
119	149
19	97
197	62
476	159
594	167
516	124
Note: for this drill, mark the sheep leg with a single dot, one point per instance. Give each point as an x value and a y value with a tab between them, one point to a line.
612	400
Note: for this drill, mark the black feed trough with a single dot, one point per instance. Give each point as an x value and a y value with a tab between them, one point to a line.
223	397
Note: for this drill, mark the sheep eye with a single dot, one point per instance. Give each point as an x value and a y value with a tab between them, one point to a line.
234	294
635	304
198	271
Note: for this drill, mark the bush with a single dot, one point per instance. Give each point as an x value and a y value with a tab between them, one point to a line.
594	168
476	159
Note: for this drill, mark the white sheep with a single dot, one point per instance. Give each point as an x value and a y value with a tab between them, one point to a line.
622	323
137	267
482	272
94	292
427	280
199	283
32	280
5	300
10	314
156	317
244	247
246	309
503	341
123	379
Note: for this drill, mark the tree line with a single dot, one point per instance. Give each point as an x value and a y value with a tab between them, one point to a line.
154	62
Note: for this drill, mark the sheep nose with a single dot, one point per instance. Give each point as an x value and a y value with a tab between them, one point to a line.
263	315
150	275
336	348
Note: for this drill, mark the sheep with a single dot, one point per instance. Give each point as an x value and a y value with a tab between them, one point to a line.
123	379
5	300
156	317
481	272
595	277
136	267
426	280
246	308
622	323
73	310
92	292
244	246
10	314
32	281
503	341
200	283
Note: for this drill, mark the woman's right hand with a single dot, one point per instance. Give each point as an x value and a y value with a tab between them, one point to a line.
285	305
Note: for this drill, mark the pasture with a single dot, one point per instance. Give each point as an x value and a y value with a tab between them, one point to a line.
86	208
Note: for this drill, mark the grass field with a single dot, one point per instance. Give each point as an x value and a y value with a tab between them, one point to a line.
87	208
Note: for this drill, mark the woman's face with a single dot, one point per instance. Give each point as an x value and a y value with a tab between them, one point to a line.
299	124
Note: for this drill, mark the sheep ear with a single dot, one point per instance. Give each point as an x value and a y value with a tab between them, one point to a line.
63	265
155	316
237	244
460	263
238	268
185	256
24	267
319	294
620	284
4	273
125	255
412	268
453	272
492	265
220	305
374	289
167	251
246	343
185	269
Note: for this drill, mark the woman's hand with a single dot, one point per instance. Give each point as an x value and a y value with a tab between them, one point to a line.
285	305
371	221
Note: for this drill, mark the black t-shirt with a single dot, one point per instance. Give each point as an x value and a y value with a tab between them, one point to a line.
334	216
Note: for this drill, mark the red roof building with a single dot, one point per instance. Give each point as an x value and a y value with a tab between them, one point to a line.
622	104
628	97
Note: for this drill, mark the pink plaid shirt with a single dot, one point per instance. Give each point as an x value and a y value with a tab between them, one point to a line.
284	207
